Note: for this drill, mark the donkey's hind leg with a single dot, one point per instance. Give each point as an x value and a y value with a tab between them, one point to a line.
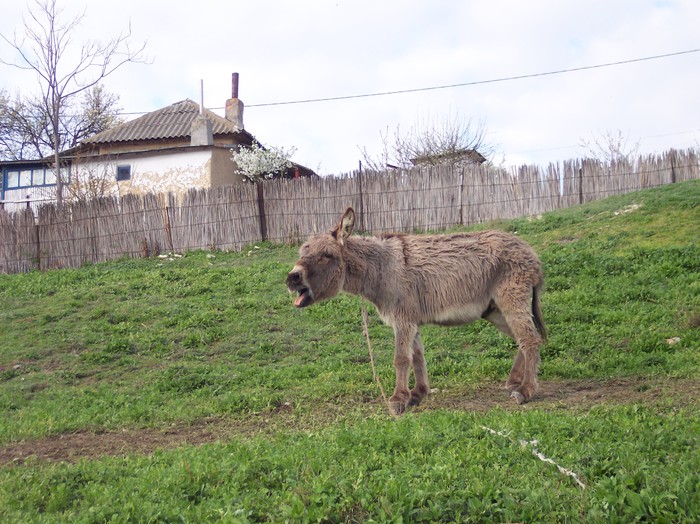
515	306
515	378
420	373
527	361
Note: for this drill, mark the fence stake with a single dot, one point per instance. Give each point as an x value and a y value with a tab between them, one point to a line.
168	230
362	203
38	245
461	195
580	185
261	211
673	167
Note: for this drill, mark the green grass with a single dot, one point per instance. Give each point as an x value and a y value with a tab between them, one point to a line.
442	466
149	343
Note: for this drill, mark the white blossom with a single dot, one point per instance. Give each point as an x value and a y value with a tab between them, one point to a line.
257	162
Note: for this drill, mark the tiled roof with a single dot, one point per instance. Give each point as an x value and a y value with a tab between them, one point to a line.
173	121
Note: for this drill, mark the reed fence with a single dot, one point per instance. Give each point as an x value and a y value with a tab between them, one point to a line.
229	218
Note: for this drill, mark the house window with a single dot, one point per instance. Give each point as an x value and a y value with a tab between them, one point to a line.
25	178
123	173
50	176
21	178
38	177
12	179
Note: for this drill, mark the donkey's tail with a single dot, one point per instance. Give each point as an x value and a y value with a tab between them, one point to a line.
537	312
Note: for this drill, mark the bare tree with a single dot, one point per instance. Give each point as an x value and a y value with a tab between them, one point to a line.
22	125
609	147
44	48
98	110
447	140
26	130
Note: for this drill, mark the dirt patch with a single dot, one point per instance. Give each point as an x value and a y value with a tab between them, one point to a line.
71	447
581	394
86	444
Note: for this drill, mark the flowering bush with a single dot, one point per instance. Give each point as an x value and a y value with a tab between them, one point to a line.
257	162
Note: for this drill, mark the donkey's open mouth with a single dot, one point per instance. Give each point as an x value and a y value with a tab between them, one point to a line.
305	298
296	283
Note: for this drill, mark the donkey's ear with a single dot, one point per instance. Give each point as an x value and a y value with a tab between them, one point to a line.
344	228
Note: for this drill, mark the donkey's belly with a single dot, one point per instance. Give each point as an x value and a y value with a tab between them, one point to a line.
457	315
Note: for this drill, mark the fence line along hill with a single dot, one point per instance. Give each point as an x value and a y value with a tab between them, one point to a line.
228	218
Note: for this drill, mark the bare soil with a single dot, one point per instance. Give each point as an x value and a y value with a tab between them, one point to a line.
569	395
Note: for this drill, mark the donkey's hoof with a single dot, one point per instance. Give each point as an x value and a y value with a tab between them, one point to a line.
397	408
416	397
518	397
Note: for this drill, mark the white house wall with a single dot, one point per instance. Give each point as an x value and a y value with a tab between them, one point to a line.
160	173
163	172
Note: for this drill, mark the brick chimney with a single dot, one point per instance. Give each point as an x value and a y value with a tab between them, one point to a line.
234	107
201	128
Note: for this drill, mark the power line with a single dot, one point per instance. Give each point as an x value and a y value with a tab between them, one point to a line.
462	84
477	82
451	86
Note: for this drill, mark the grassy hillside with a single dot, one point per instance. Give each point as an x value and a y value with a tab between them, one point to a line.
135	355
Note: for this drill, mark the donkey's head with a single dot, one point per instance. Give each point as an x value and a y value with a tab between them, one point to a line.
320	271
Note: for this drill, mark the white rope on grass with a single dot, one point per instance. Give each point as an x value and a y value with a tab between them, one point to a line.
365	331
538	454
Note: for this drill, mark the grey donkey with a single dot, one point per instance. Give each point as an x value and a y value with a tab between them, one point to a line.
446	280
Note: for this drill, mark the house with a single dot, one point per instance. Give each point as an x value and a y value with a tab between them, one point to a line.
455	157
173	149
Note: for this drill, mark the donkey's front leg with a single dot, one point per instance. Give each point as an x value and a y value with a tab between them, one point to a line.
404	336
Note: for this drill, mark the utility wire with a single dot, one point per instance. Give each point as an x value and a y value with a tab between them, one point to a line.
463	84
478	82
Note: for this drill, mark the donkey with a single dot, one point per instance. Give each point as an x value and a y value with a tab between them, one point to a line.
446	280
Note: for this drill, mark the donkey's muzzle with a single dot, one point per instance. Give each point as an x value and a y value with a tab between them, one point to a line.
296	284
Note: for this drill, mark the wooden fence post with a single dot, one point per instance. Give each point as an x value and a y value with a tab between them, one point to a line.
38	244
261	211
461	195
673	166
168	229
362	203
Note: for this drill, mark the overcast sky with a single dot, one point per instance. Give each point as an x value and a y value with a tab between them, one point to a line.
308	49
